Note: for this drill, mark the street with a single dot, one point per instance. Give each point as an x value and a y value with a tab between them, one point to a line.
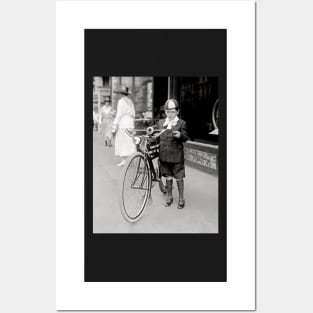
200	214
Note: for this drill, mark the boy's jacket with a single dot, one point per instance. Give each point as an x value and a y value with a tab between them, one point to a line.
171	148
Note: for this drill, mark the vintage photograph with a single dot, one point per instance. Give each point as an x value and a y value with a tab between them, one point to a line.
155	154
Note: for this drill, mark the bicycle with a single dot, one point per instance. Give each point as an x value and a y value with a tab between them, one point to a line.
140	174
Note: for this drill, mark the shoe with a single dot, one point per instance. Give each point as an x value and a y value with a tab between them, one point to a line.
169	201
169	187
181	204
121	164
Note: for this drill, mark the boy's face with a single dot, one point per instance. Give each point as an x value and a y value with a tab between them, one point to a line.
171	113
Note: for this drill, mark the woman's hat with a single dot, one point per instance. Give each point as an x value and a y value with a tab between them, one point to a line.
123	89
171	104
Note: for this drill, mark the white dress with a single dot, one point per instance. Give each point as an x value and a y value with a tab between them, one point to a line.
124	119
106	117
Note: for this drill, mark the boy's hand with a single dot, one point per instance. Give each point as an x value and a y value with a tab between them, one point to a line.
176	134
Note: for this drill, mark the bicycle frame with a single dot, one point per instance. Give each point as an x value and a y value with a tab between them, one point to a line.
143	175
138	172
144	141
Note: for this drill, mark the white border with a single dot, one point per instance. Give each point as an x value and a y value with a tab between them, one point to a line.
238	17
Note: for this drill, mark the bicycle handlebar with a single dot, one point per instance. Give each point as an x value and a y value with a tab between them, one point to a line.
149	131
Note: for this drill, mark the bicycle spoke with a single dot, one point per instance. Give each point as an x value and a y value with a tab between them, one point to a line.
136	186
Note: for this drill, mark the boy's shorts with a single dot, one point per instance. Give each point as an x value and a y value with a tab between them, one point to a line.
176	170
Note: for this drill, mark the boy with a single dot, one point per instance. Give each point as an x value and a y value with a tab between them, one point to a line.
173	135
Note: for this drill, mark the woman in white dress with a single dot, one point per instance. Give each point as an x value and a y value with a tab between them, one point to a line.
106	120
124	119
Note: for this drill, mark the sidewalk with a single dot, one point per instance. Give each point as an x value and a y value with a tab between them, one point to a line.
200	214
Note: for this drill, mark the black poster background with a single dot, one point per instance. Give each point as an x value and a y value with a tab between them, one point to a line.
155	257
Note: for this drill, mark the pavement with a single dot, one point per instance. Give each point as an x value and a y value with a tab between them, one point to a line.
200	214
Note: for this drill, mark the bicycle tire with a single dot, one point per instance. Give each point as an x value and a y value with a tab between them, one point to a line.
136	188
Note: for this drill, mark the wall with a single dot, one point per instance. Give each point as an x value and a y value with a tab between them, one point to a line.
202	156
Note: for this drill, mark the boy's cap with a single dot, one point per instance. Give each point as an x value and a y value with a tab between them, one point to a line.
171	104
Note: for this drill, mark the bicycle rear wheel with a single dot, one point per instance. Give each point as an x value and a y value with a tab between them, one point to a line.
136	188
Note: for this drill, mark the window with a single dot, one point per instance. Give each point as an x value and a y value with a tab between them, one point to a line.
197	97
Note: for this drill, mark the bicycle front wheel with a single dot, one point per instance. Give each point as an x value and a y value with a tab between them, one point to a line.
136	188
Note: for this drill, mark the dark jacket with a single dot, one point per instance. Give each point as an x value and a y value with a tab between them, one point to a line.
171	148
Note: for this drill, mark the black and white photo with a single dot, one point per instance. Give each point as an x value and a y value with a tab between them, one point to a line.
127	179
159	177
